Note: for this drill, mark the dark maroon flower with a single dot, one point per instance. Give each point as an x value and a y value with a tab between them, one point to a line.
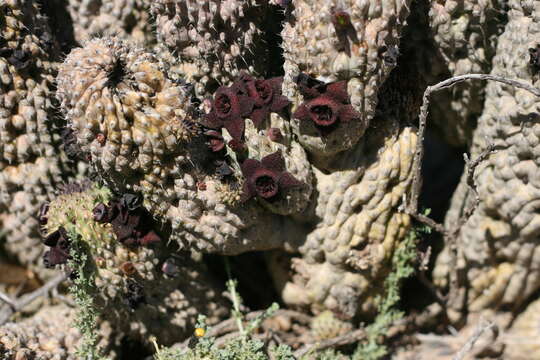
330	107
42	216
131	223
134	294
100	213
266	95
266	178
237	146
229	108
59	252
274	134
534	58
215	141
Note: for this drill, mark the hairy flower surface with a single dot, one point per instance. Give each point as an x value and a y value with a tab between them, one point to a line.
267	97
266	178
229	109
327	105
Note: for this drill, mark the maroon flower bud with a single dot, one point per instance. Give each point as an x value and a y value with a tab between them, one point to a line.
236	146
101	139
42	216
127	268
215	141
100	213
201	186
274	134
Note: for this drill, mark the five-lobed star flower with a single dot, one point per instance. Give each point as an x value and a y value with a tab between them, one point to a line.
267	97
326	105
246	98
231	105
266	179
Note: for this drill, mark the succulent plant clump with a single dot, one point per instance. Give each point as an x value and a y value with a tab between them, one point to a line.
132	273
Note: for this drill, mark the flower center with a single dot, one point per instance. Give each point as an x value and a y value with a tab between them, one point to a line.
323	115
266	186
223	104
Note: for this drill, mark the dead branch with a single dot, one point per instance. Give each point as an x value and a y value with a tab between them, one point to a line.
15	305
482	327
470	168
426	220
412	206
441	299
349	338
227	326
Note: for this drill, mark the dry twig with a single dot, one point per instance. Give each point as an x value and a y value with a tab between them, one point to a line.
15	305
480	329
349	338
470	168
227	326
410	205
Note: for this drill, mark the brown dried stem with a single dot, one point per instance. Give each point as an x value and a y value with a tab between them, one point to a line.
18	304
470	168
227	326
349	338
482	327
412	206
